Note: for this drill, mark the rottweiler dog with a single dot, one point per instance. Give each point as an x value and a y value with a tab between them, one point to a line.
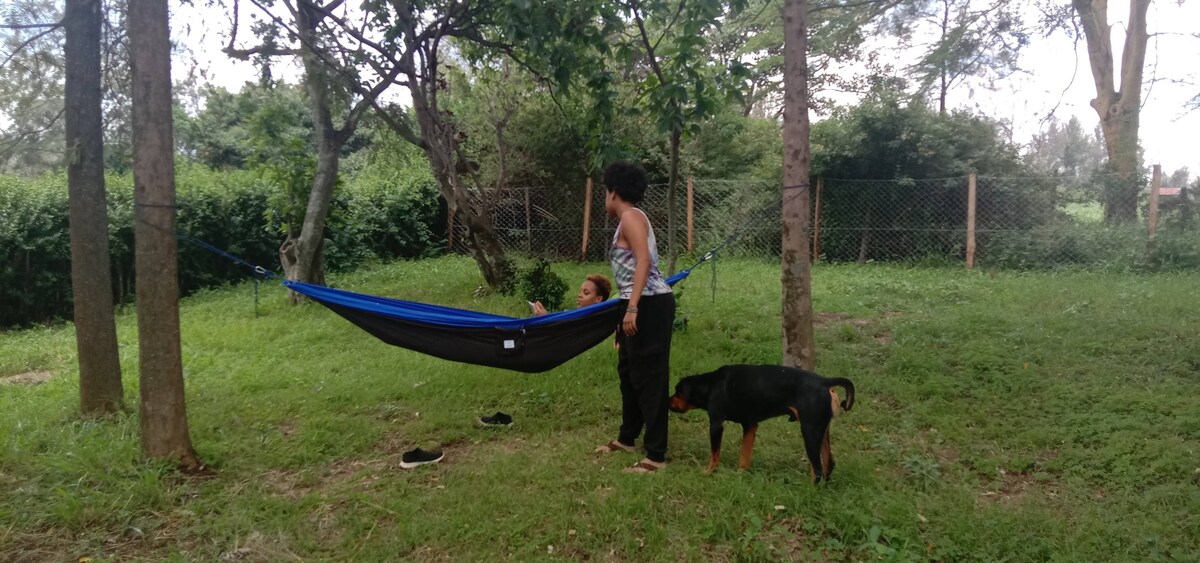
749	394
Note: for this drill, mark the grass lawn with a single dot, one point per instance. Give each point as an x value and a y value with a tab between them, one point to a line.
1019	417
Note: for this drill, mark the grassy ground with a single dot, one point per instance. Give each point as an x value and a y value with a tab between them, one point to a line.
1009	417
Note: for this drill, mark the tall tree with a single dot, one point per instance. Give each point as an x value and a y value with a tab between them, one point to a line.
302	252
100	387
163	410
837	31
1118	99
799	349
31	87
973	41
682	88
404	43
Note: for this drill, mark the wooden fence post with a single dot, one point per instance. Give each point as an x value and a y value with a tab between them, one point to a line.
1155	188
816	255
587	217
971	221
528	221
689	214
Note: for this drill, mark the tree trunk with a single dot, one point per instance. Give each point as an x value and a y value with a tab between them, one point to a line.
163	412
672	183
302	254
439	140
944	71
1119	110
798	347
100	387
864	240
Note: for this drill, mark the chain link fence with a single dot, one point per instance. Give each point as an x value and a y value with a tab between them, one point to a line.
1015	222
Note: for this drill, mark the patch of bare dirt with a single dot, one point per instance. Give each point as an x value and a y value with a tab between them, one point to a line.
28	378
1012	488
829	319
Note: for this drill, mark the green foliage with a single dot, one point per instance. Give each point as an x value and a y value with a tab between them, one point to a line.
233	128
1062	402
889	137
921	158
31	88
1091	246
540	283
389	214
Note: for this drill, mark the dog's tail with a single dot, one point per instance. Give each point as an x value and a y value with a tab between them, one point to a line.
847	385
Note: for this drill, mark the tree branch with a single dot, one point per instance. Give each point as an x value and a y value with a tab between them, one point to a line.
51	26
245	54
883	5
637	17
28	42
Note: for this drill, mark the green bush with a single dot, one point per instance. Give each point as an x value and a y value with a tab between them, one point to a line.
540	283
1091	246
232	210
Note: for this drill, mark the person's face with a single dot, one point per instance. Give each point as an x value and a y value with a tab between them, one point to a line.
588	295
610	203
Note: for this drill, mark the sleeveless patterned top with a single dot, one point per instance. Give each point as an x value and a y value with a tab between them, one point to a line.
624	263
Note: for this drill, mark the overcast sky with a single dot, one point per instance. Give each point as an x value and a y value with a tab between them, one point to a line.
1055	78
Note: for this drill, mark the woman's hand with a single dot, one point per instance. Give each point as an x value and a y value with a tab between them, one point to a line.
629	324
538	309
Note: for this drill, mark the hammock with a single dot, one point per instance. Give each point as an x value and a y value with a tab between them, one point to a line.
530	345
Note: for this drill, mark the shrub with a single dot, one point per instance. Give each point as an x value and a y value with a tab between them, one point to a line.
232	210
542	284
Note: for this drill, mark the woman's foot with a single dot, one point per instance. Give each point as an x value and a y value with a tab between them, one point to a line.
614	446
646	466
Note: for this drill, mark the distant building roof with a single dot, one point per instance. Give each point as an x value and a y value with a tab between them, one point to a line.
1168	191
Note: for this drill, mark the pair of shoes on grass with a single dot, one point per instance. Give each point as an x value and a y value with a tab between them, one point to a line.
418	457
499	420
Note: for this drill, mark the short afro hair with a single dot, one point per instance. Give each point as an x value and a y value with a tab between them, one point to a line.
603	286
628	180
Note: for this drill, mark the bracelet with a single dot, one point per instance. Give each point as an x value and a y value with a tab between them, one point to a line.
631	310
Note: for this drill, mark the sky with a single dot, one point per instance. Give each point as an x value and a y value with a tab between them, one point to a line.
1055	77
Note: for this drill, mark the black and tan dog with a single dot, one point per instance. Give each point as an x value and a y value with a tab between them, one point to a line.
749	394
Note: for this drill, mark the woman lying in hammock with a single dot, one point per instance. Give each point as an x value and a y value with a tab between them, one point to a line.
595	289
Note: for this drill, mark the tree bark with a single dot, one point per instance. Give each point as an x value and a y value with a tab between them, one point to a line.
672	183
798	347
1119	110
100	388
439	139
944	87
163	413
302	253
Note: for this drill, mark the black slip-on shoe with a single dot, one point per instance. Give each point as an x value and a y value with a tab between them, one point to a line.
498	419
419	457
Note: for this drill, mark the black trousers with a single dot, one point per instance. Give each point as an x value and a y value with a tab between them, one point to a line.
644	366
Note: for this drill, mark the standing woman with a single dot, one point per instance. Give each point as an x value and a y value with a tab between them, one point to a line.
644	336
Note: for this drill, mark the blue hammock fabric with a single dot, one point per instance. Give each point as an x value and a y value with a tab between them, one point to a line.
531	345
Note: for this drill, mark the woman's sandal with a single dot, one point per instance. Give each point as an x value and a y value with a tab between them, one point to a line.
614	446
644	466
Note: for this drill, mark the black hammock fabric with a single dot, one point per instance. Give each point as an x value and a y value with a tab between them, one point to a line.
530	345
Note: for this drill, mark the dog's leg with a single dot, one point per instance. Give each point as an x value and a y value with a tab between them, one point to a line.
827	455
716	428
748	432
813	436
